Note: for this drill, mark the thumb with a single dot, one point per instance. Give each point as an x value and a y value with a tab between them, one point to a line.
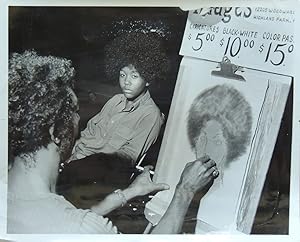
161	186
148	168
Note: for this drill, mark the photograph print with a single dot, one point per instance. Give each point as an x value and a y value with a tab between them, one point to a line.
110	130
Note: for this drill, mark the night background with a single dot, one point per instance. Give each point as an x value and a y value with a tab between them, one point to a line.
80	34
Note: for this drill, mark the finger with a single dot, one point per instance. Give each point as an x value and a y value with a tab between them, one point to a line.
194	165
161	187
205	158
210	164
203	161
190	163
214	172
148	168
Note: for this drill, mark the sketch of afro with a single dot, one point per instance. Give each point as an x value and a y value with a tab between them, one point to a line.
39	96
142	50
227	106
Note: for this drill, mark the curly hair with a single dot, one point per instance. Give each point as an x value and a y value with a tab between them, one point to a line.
39	97
142	50
227	106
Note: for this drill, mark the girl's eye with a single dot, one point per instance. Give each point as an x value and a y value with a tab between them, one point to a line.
122	75
135	75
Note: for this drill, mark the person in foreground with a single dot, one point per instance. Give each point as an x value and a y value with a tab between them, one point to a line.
43	122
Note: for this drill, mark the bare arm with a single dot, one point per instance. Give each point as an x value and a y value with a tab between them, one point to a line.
113	201
171	222
197	176
142	185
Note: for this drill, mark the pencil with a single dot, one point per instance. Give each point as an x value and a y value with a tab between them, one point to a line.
142	169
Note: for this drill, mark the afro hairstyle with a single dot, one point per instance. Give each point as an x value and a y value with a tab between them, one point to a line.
226	105
142	50
39	97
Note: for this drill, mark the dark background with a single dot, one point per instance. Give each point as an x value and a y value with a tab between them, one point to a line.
81	33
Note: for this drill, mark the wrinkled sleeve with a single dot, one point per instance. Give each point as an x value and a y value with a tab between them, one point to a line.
91	134
90	130
144	135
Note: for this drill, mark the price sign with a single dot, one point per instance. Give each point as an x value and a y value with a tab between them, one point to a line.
260	38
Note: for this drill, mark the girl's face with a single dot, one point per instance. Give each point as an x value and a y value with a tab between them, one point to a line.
132	84
212	142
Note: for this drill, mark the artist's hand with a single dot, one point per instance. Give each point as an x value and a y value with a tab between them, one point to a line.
143	185
197	175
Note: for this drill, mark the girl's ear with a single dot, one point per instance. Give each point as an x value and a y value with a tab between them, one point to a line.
147	84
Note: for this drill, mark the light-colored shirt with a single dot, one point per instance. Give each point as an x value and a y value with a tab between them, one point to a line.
50	213
130	131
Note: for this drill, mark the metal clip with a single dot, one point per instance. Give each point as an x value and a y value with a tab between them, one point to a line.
228	70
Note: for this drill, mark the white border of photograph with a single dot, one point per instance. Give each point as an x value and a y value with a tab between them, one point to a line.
294	215
294	219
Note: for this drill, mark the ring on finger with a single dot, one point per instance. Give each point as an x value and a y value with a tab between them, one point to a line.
215	173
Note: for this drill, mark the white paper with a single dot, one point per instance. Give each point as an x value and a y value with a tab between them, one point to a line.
219	207
256	37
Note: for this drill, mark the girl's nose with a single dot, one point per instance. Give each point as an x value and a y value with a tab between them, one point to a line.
127	80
